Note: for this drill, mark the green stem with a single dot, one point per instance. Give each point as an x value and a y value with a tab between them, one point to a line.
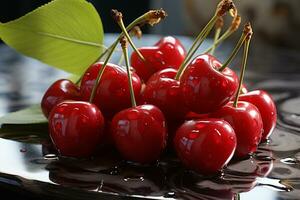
234	52
216	37
198	41
128	28
121	59
220	40
101	71
244	63
111	50
132	97
121	24
78	81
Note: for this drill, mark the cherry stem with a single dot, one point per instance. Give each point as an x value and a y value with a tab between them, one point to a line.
245	57
234	52
148	17
217	35
78	81
218	27
217	42
118	17
101	71
136	32
222	8
198	41
123	42
234	26
141	20
121	59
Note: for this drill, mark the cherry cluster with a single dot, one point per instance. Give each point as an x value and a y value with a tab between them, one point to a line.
166	99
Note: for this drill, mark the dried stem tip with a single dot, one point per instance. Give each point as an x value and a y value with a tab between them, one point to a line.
224	6
219	22
137	32
154	16
248	31
123	42
116	15
235	23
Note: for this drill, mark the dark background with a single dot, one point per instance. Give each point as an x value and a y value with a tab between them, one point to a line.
12	9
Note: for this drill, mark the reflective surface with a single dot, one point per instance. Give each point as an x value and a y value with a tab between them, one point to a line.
29	163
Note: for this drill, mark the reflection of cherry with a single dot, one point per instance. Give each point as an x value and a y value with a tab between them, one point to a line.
241	175
205	145
112	93
167	52
189	185
76	128
59	91
266	106
204	87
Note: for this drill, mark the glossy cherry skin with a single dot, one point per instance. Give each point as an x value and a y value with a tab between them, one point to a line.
267	108
192	115
112	93
205	146
246	121
139	133
204	88
59	91
244	89
163	91
167	52
76	128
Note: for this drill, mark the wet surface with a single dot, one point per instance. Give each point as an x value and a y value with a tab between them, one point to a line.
30	163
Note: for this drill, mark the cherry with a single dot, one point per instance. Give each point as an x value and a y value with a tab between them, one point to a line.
163	91
247	124
59	91
206	84
112	94
204	87
167	52
266	106
139	133
205	146
76	128
244	117
192	115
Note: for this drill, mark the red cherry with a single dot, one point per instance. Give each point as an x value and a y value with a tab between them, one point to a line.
247	124
266	106
76	128
139	133
112	93
204	88
192	115
205	146
59	91
167	52
163	91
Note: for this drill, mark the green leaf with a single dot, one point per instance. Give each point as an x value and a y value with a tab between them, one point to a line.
30	133
30	115
66	34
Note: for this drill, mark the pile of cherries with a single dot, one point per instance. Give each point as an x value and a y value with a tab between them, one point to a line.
196	113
